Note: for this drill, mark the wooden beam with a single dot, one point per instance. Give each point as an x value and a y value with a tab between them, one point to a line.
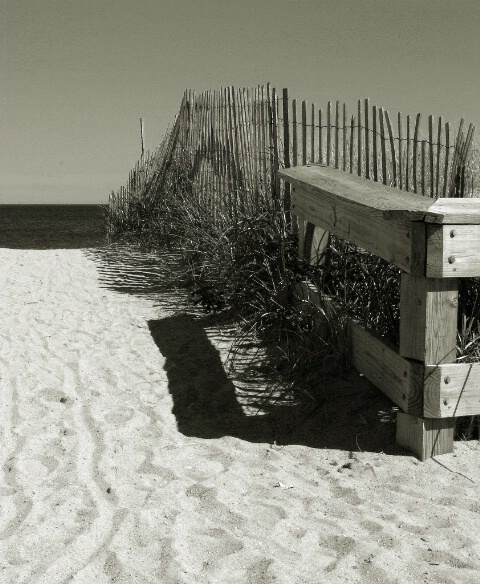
398	378
428	318
452	390
343	188
400	243
425	438
453	251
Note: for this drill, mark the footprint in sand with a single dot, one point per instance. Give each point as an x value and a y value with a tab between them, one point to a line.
119	416
50	463
204	470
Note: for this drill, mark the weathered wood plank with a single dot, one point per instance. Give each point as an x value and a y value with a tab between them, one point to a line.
425	438
450	211
453	251
378	199
428	318
400	243
452	390
398	378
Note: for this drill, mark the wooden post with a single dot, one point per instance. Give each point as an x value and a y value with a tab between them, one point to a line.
415	151
400	147
337	128
425	437
320	140
428	330
286	156
392	149
312	135
374	143
141	137
304	132
329	130
367	140
359	140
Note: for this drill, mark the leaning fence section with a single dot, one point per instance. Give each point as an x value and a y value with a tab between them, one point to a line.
231	142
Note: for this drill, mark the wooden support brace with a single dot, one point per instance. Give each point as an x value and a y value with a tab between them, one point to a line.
316	243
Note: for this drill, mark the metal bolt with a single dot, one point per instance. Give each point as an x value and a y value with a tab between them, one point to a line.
445	402
451	259
453	233
447	380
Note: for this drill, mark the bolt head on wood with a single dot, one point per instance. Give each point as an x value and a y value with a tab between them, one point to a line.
447	380
451	259
453	233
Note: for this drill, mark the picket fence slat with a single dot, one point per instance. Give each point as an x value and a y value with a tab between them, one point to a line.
231	142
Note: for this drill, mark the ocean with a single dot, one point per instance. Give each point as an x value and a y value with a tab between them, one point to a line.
52	226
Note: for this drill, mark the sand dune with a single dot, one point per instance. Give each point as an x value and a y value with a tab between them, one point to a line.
129	455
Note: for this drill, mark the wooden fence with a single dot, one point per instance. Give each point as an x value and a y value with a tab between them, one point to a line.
434	244
233	141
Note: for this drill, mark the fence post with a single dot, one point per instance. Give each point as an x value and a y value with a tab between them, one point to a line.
286	157
428	332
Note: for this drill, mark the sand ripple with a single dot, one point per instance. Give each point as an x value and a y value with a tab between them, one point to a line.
123	463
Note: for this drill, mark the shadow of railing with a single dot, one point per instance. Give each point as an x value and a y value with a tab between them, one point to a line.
208	402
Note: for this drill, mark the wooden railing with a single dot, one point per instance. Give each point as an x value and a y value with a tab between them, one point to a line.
433	243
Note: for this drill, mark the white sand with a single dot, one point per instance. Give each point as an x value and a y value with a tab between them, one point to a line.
103	483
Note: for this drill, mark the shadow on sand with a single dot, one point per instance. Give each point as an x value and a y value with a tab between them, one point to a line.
352	415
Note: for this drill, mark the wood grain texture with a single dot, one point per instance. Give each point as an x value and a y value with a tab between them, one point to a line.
428	318
388	202
451	211
398	378
400	243
452	390
453	251
425	438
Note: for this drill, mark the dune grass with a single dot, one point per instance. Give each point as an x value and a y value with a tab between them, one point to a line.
243	261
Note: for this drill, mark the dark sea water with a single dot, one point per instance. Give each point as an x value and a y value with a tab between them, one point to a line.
52	226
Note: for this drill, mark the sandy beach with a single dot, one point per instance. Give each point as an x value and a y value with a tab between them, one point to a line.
130	456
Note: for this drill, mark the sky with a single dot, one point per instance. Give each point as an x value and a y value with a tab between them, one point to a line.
76	76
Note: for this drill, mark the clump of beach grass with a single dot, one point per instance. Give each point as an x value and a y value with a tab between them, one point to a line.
239	256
